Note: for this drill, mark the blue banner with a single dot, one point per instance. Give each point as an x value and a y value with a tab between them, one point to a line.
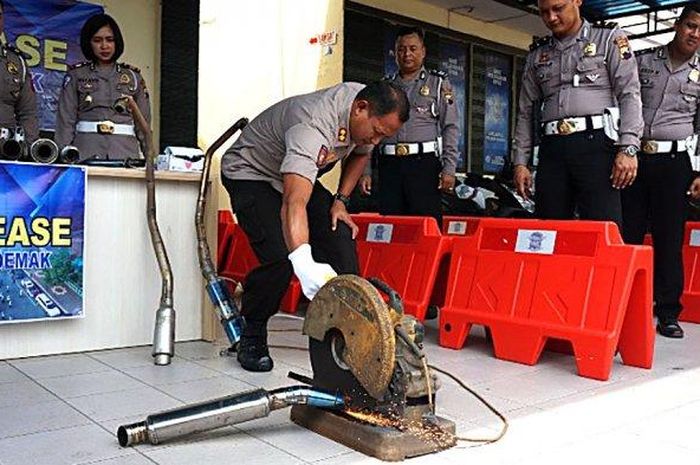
48	33
390	66
453	60
42	218
496	111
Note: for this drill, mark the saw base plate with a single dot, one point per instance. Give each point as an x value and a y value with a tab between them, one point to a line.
384	443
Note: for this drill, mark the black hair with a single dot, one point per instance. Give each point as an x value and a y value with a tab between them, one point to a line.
688	10
408	30
90	28
385	97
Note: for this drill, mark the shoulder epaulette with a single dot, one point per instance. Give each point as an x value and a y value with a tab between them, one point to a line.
131	67
438	73
16	51
608	25
389	77
538	42
79	65
646	51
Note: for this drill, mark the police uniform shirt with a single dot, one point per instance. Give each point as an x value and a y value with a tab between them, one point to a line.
433	113
669	97
580	76
17	98
89	93
303	135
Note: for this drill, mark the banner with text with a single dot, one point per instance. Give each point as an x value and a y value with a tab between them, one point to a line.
453	60
42	217
48	33
496	112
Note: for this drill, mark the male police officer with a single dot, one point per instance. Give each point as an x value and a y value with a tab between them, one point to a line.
670	80
575	73
421	159
271	174
17	99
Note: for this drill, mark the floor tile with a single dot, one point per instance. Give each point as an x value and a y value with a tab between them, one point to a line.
24	392
125	358
90	383
10	374
205	389
133	458
122	404
17	420
178	371
58	365
77	445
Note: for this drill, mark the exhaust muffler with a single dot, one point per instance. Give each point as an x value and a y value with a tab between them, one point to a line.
70	155
44	151
225	411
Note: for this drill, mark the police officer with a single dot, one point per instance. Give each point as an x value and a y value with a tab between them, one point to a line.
421	159
92	114
17	98
670	79
293	223
577	72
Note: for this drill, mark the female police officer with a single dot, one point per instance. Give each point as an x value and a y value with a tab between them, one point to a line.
92	114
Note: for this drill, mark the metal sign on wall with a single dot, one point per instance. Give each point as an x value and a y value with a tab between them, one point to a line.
48	34
42	217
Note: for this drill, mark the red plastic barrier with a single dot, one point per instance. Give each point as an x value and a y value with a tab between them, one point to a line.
405	252
530	280
236	258
691	270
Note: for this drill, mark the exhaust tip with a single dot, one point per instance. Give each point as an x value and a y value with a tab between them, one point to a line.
135	433
161	359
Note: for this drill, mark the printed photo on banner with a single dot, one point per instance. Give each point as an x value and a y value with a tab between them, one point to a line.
496	111
42	217
47	32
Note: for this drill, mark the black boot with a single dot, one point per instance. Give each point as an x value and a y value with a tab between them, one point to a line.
253	354
669	327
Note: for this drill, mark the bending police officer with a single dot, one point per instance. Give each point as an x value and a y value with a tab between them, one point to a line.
421	159
670	80
575	73
293	223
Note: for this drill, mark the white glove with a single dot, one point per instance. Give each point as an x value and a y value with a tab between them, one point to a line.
312	275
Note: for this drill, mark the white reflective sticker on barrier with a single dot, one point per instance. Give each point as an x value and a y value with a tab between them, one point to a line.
694	238
532	241
457	228
379	232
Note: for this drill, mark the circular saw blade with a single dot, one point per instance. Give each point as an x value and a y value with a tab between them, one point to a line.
352	343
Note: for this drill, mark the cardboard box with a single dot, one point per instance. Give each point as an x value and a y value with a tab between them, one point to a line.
180	159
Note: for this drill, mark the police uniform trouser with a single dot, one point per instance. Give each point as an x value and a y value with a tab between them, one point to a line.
573	175
257	206
657	201
409	185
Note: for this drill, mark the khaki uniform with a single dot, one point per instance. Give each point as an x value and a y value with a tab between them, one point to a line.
656	201
17	98
577	78
411	161
303	135
87	99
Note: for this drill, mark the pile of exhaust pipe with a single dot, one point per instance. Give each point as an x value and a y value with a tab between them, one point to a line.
14	147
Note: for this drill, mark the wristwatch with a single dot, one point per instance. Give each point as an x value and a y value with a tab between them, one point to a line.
630	151
344	199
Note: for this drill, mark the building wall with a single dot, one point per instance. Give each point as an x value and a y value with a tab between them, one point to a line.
438	16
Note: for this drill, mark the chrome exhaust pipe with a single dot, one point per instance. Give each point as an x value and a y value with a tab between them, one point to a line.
70	155
164	336
12	144
44	151
225	411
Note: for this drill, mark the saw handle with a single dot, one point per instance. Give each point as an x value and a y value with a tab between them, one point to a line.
395	301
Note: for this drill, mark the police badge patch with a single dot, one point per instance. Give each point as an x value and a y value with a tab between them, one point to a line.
12	68
623	46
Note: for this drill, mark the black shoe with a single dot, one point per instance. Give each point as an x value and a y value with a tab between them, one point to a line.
670	328
432	312
253	355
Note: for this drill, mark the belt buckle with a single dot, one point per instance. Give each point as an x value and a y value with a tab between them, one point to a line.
650	146
402	150
565	127
105	127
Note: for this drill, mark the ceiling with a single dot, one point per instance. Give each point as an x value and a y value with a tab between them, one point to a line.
644	18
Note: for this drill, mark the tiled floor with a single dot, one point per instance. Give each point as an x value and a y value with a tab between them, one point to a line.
65	409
